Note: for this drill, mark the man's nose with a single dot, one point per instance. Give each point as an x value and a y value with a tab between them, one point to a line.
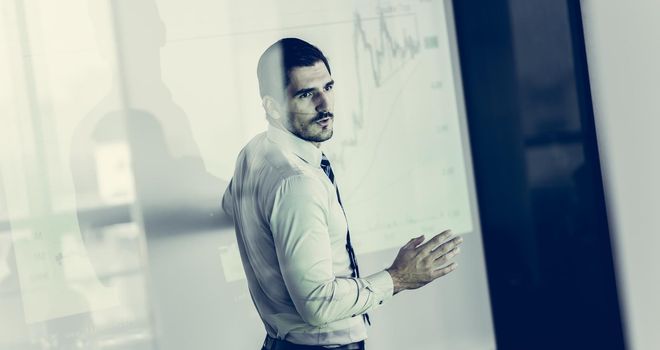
322	102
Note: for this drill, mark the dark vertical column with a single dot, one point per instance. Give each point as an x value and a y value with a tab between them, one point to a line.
489	79
537	173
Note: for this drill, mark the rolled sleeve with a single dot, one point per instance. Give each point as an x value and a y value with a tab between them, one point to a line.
300	233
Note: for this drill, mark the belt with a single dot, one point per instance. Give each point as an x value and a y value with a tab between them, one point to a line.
277	344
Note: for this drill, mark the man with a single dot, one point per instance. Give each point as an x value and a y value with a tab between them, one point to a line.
290	225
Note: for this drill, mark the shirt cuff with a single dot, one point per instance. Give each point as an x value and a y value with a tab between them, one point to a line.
381	285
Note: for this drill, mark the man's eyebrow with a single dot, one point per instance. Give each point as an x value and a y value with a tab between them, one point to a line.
304	91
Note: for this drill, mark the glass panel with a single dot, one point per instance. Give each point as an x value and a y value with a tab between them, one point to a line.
123	120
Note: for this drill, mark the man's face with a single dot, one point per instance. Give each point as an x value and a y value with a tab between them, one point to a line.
310	103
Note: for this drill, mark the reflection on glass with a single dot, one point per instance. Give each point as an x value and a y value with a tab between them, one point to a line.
122	126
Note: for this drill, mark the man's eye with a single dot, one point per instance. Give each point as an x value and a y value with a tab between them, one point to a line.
305	95
329	87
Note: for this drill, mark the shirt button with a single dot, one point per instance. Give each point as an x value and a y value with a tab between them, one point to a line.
380	303
353	315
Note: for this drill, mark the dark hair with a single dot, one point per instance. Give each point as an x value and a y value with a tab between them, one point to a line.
279	59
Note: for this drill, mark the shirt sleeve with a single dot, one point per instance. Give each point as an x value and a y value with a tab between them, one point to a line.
300	231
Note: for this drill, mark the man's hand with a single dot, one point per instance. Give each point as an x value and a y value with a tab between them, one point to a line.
416	266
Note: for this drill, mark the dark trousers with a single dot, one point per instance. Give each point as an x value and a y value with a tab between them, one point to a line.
276	344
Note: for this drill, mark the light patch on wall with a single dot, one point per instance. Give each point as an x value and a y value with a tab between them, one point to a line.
115	179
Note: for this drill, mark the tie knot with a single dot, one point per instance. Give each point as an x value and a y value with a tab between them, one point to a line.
325	162
327	169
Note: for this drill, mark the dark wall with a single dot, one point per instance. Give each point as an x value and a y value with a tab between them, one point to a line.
537	172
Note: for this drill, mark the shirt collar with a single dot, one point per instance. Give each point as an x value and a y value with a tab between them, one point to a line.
303	149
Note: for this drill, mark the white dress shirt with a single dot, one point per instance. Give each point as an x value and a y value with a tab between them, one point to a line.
291	234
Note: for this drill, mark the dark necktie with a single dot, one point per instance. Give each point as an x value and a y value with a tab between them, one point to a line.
325	165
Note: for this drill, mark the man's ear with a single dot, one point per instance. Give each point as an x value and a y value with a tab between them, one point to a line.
272	107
